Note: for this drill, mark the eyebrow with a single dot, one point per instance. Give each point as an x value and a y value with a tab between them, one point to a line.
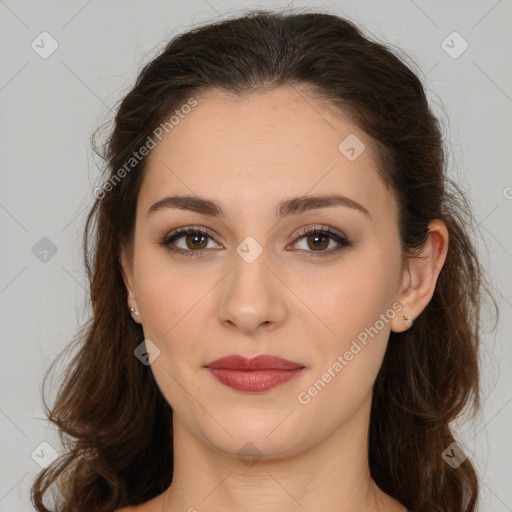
285	208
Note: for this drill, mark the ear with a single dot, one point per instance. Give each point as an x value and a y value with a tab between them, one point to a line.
126	262
420	276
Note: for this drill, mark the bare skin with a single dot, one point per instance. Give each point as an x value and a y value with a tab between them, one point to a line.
249	154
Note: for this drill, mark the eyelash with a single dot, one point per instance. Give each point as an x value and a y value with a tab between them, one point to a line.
343	241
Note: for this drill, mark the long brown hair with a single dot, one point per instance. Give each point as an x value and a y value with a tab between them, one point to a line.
112	418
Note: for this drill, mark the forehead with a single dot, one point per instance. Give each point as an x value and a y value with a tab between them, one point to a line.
261	147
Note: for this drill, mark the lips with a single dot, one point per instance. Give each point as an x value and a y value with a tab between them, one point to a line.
253	375
263	362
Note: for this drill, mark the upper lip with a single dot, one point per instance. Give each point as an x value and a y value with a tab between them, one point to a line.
262	362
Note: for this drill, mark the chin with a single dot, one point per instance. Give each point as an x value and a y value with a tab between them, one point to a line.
270	431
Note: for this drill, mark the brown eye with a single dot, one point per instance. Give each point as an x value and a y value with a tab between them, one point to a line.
318	240
194	241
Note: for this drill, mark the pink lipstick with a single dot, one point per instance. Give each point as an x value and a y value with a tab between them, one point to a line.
256	374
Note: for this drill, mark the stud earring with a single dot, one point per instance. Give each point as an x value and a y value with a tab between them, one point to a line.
407	319
135	311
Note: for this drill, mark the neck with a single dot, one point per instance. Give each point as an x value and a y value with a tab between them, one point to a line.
332	476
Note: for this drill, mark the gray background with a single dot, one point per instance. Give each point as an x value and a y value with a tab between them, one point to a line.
50	106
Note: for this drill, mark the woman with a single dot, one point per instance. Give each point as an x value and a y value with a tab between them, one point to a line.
285	294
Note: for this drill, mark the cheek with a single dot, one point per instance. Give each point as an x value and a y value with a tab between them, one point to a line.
356	312
346	300
168	292
173	316
348	357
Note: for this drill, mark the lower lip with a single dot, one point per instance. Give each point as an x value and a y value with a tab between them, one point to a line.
254	380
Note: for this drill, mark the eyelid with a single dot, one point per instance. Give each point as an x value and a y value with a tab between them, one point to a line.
181	232
322	227
339	237
300	233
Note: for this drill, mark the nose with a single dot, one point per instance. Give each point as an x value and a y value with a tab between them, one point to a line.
253	297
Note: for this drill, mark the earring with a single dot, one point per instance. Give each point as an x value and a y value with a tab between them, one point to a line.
407	319
135	311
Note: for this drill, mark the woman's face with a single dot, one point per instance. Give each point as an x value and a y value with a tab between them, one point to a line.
257	283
